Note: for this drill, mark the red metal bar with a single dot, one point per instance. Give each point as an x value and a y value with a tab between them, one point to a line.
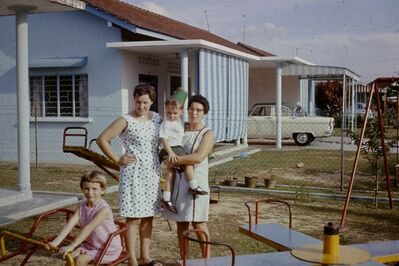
257	212
266	200
187	237
249	216
384	148
75	134
357	156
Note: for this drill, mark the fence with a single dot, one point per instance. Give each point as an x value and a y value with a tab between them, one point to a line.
329	157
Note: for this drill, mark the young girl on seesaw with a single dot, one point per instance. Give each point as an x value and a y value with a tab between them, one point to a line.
94	216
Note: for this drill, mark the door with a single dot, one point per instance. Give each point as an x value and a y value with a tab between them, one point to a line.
153	81
175	82
261	123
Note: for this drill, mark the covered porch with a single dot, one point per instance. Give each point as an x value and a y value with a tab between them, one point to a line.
217	72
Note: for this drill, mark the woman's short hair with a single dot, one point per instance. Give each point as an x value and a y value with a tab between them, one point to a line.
94	177
201	100
144	89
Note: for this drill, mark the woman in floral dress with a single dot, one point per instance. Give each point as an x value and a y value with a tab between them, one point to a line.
139	187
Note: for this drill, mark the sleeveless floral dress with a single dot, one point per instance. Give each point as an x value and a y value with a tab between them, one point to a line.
139	185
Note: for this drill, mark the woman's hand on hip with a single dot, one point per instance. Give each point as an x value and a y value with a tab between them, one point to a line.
126	159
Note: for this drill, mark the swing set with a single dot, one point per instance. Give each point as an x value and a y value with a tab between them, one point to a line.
374	91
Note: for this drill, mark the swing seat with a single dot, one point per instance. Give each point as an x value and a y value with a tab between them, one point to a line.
85	152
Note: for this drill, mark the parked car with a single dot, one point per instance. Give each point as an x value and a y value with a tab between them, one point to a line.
294	124
360	110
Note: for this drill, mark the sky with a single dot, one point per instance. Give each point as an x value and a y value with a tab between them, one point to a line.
361	35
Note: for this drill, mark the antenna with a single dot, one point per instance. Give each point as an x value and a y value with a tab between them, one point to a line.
243	35
207	22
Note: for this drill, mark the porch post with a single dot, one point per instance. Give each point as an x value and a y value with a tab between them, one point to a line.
343	129
184	77
278	105
309	97
312	98
21	24
301	101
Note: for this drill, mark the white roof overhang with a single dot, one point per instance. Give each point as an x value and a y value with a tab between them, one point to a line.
273	61
291	66
9	7
318	72
176	46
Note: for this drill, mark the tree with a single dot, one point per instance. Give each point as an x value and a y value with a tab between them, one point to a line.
329	99
371	148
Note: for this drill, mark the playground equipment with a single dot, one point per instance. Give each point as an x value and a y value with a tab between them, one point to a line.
29	245
274	235
374	90
295	251
86	152
204	247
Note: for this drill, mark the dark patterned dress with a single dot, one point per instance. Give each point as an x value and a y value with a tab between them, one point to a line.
139	187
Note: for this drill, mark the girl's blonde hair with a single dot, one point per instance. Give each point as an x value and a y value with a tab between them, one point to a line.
94	176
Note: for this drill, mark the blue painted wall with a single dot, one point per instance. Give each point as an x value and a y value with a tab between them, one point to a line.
66	34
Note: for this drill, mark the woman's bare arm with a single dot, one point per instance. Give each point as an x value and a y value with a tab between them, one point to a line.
204	149
113	130
98	219
74	220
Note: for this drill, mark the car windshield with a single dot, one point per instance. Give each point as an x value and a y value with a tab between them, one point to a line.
262	111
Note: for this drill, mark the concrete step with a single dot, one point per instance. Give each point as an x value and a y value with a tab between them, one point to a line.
39	203
8	196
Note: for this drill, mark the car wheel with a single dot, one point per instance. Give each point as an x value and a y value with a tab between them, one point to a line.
303	139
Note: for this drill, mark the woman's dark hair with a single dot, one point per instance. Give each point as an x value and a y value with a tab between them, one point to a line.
201	100
144	89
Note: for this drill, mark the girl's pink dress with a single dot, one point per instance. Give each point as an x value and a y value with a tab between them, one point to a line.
94	242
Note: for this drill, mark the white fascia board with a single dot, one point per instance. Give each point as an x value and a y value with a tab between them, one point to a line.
175	45
283	59
9	7
310	71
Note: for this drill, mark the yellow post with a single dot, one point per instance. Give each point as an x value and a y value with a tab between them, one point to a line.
331	240
3	246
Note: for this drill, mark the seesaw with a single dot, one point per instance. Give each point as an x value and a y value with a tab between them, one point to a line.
85	152
29	244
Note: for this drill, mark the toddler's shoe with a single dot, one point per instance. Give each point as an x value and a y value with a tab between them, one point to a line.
168	205
197	191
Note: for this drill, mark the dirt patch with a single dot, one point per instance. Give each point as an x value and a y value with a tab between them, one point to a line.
309	216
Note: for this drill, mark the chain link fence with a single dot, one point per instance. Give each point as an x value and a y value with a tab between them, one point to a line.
330	157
